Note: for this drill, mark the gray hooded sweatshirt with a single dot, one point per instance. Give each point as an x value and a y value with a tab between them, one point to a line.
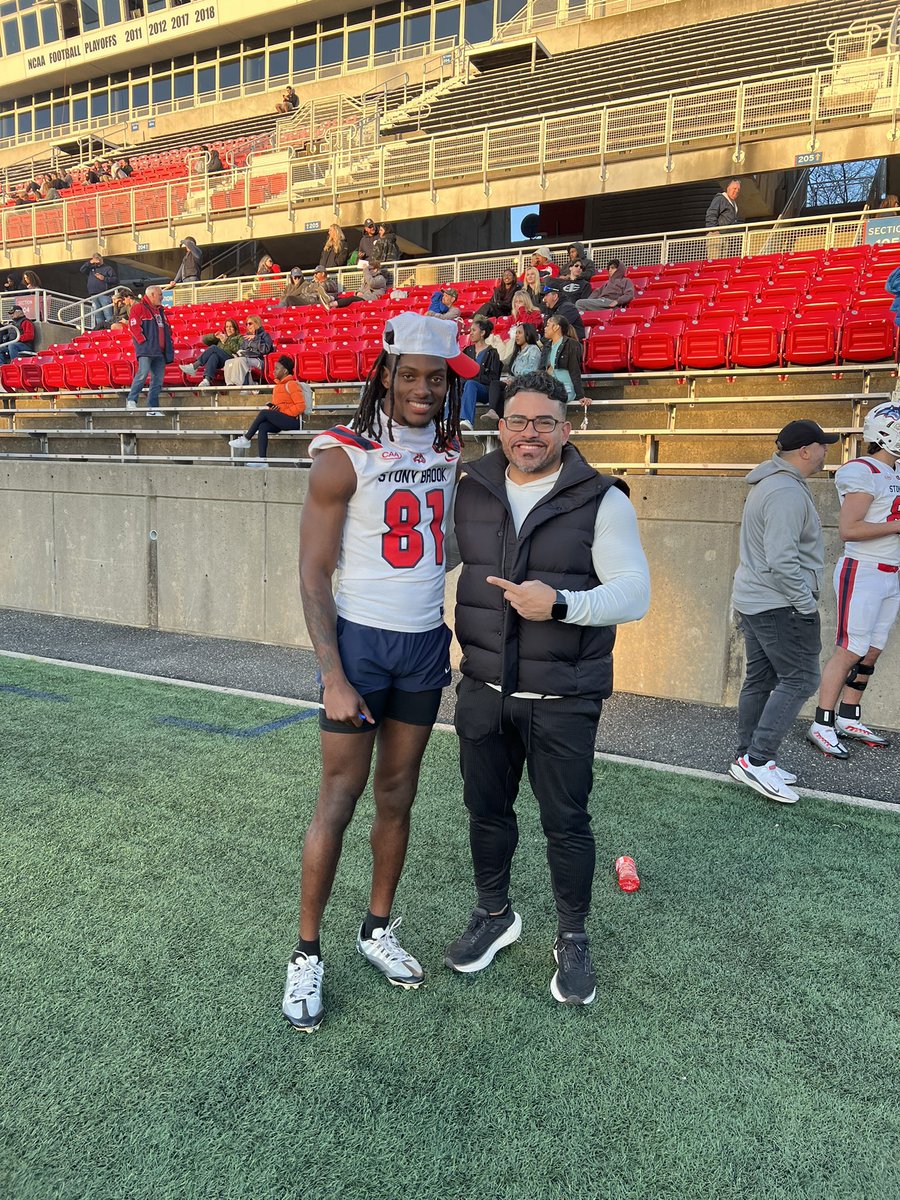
782	550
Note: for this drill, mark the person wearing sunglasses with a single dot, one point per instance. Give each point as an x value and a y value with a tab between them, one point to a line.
552	562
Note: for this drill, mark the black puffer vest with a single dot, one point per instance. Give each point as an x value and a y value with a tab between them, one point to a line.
554	545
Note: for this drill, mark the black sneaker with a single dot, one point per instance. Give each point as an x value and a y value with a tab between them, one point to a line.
482	938
575	981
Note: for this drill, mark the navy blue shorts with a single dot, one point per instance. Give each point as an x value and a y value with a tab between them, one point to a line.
399	675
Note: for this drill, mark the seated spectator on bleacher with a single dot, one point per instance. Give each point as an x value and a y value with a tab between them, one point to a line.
573	286
526	354
92	174
289	296
153	349
500	303
723	209
47	191
555	303
19	342
122	300
289	101
62	181
251	353
102	277
578	250
386	248
485	389
616	292
189	267
220	347
533	285
376	281
523	303
543	264
334	252
288	404
443	305
561	356
366	250
318	290
124	169
106	175
214	164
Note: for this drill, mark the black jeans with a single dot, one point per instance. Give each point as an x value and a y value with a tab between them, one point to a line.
555	738
783	648
270	420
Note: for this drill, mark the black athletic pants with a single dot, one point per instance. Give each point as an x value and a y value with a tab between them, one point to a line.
270	420
498	736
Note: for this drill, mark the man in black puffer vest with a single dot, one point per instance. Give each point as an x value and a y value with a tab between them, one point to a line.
552	562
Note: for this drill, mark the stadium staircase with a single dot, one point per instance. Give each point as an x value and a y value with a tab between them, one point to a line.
697	374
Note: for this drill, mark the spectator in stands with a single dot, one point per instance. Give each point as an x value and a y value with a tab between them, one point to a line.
892	285
376	281
189	267
32	190
251	354
152	336
366	249
318	290
386	247
288	404
102	277
890	201
554	302
616	292
62	180
573	286
289	101
443	305
289	296
11	282
533	285
106	175
334	252
18	197
543	263
485	389
18	343
124	169
122	301
31	281
522	303
92	174
267	268
723	209
526	355
220	347
578	250
500	303
561	356
214	164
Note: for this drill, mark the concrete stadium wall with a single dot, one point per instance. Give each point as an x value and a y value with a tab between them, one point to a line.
214	552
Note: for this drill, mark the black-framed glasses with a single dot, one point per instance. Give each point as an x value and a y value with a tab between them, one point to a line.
516	423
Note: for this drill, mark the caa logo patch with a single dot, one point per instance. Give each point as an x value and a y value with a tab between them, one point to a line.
391	455
418	458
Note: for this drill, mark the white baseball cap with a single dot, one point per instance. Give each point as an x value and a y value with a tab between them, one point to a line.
410	333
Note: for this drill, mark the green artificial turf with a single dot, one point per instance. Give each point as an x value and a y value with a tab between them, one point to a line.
743	1043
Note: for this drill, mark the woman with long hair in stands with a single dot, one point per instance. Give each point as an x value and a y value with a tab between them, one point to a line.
334	252
220	347
267	268
561	355
500	303
533	285
250	355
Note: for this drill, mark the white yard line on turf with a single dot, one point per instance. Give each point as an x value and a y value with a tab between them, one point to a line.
648	764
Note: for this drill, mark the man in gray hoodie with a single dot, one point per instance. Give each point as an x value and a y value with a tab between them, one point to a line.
776	595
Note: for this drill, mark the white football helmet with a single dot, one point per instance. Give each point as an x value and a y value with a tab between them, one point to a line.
882	425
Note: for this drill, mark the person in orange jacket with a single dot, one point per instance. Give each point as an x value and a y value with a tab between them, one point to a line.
284	411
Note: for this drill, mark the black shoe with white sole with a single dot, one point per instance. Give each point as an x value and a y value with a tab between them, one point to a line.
575	981
475	948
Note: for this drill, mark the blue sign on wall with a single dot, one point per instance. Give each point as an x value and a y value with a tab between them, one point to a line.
882	229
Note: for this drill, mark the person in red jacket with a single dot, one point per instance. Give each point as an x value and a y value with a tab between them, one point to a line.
287	406
152	337
25	343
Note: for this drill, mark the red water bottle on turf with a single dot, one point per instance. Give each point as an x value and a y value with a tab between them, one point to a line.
626	873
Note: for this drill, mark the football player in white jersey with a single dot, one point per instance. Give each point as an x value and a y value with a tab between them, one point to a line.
379	494
866	580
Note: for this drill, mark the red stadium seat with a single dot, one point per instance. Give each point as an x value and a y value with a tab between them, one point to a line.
52	376
367	359
121	372
11	376
869	340
656	348
75	371
812	344
97	373
756	346
608	350
705	346
312	366
31	374
343	365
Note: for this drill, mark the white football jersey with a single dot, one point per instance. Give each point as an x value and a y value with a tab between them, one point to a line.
882	483
393	559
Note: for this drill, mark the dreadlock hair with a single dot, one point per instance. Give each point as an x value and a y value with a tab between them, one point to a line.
367	418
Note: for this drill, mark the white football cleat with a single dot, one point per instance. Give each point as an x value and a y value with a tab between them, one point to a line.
851	728
302	1004
824	738
766	780
384	952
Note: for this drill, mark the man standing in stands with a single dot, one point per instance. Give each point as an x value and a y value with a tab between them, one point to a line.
776	598
723	209
25	343
552	562
379	495
152	336
102	277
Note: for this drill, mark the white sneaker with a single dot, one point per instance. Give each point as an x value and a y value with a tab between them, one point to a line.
302	1004
384	952
848	727
824	738
240	442
765	780
466	425
132	404
155	412
204	383
190	368
787	776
